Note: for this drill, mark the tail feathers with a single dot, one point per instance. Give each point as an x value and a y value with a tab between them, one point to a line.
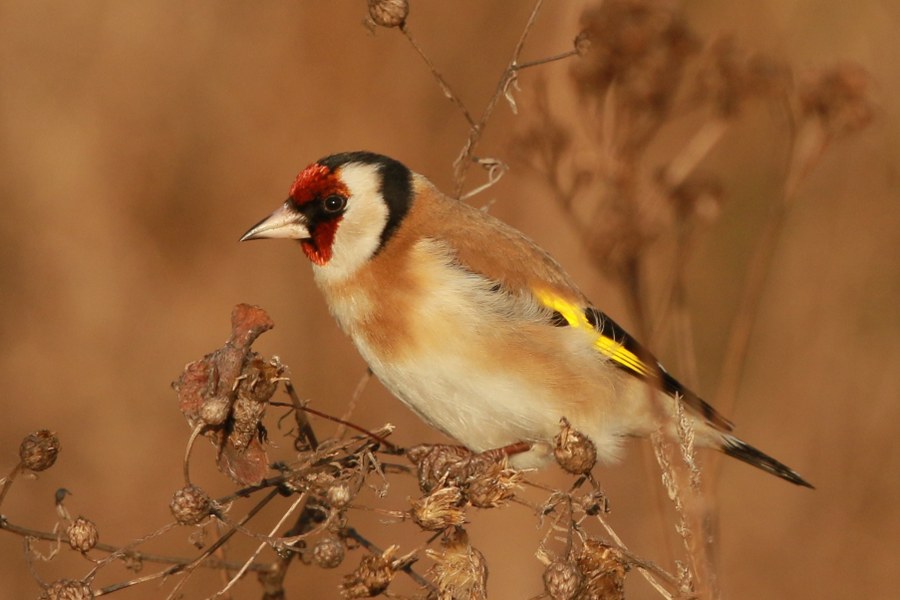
740	450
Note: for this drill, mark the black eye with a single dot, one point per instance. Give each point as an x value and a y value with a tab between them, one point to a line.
334	204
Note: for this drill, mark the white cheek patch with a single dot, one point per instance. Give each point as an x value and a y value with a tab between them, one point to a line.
358	235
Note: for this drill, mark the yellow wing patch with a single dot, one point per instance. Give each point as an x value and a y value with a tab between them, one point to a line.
576	317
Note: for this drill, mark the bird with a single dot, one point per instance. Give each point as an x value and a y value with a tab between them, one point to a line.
473	326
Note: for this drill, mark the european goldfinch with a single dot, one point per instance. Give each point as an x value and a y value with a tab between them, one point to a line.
472	325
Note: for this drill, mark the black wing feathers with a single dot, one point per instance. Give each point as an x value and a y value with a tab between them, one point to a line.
610	329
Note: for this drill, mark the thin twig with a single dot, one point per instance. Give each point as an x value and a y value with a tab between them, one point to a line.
462	162
303	425
445	87
354	399
390	447
218	543
249	561
549	59
353	534
140	556
7	483
649	570
186	465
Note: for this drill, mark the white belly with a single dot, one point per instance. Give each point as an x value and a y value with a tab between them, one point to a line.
482	367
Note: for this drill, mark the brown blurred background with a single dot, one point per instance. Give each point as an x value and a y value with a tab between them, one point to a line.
138	140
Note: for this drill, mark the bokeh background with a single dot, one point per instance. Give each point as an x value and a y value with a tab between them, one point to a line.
138	140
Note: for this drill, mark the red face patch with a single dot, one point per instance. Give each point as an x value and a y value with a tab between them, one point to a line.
315	183
318	249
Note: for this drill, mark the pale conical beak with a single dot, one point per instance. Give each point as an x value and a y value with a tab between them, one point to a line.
285	222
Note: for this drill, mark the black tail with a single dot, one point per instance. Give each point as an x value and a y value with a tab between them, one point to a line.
750	455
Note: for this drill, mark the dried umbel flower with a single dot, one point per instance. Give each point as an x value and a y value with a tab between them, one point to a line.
460	571
67	589
603	569
39	450
82	534
329	552
371	577
574	451
728	76
388	13
839	98
562	580
640	44
439	509
190	505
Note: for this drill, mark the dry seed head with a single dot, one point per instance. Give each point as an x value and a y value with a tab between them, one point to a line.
39	450
329	552
493	486
574	451
388	13
190	505
82	534
371	577
562	579
436	464
603	568
67	589
460	571
439	510
339	495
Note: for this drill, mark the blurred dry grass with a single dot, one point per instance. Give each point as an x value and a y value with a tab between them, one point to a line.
138	140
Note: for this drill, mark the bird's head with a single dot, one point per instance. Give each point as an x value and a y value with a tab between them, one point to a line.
342	209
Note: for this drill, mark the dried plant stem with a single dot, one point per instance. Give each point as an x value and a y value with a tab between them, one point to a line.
462	162
186	465
406	567
807	148
697	148
300	418
240	573
351	405
650	571
116	551
445	87
381	440
8	481
546	60
189	568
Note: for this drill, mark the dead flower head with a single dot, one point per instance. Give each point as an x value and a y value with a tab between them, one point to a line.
460	571
562	580
372	576
603	568
82	534
440	509
38	451
574	451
